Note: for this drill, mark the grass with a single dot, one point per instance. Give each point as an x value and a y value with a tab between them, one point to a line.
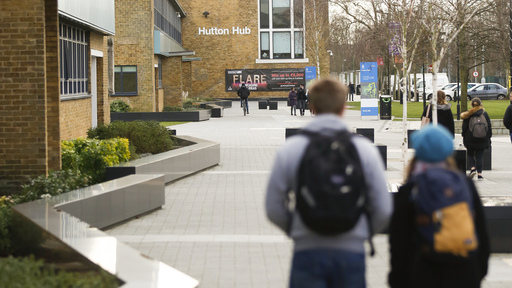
165	124
495	108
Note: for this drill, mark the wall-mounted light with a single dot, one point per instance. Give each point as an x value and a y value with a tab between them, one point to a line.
205	13
330	52
178	14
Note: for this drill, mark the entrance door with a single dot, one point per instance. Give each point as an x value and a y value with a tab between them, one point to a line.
94	93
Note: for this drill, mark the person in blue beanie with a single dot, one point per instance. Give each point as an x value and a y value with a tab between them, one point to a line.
437	234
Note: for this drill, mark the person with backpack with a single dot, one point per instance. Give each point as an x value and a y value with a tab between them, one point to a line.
301	96
476	134
444	112
327	191
507	118
244	93
437	234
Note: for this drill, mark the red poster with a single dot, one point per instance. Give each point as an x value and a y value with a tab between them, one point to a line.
380	61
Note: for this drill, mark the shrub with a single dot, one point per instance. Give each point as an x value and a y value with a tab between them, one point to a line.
145	136
92	156
56	183
172	109
6	203
30	273
119	106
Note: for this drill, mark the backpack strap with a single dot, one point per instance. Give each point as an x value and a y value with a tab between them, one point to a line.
342	134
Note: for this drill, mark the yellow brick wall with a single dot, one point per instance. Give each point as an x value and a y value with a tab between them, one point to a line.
24	135
76	115
133	45
220	52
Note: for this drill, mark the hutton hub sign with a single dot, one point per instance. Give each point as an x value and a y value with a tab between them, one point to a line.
224	31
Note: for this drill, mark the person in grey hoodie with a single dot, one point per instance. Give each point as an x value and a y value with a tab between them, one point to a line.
327	261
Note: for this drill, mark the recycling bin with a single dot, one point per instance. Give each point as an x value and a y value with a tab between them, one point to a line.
385	107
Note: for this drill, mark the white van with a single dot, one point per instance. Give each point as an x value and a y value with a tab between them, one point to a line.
442	80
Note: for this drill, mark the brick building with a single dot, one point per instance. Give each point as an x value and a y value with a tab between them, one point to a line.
256	39
53	81
148	53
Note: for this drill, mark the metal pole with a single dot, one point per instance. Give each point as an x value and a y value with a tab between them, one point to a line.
424	84
457	93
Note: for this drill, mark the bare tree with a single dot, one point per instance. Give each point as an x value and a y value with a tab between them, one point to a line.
317	32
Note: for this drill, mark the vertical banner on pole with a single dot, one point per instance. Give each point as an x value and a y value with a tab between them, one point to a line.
369	91
310	76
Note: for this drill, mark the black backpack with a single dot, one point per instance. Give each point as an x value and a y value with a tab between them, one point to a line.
478	126
331	191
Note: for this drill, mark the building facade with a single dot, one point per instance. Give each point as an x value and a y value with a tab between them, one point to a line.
53	81
251	41
167	50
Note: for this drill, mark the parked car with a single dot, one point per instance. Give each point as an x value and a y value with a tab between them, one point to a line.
446	89
488	91
470	85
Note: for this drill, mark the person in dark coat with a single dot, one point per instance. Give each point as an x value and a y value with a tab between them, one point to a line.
444	113
413	266
244	93
352	91
292	101
507	118
475	146
301	96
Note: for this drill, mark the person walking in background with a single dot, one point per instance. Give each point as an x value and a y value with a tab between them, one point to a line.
244	93
507	118
476	134
352	91
301	97
324	257
292	101
437	234
444	113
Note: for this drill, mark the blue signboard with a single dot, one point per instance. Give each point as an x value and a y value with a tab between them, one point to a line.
310	72
369	89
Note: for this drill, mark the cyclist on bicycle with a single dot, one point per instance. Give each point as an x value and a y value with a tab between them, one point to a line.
244	93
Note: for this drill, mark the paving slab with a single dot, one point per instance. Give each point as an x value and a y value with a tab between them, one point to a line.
213	226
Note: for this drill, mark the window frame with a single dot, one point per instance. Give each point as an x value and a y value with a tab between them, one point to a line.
74	56
122	93
294	58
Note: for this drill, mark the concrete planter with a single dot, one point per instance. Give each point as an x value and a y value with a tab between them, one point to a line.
174	164
190	116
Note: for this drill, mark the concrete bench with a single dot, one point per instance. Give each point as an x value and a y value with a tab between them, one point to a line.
67	225
262	104
498	215
174	164
217	110
366	132
272	105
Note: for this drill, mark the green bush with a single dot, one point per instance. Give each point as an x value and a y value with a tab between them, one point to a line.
92	156
119	106
56	183
30	273
145	136
172	109
6	203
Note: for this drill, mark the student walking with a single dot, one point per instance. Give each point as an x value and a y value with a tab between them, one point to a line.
437	234
507	118
444	112
301	97
352	91
476	134
292	101
328	228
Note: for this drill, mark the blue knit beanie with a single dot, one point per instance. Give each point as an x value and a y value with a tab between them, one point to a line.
432	143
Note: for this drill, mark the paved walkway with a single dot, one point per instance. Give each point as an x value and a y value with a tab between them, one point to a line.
213	226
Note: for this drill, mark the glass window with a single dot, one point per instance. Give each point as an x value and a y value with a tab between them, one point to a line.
281	35
167	19
125	79
265	45
299	45
74	59
281	14
264	14
298	13
282	45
